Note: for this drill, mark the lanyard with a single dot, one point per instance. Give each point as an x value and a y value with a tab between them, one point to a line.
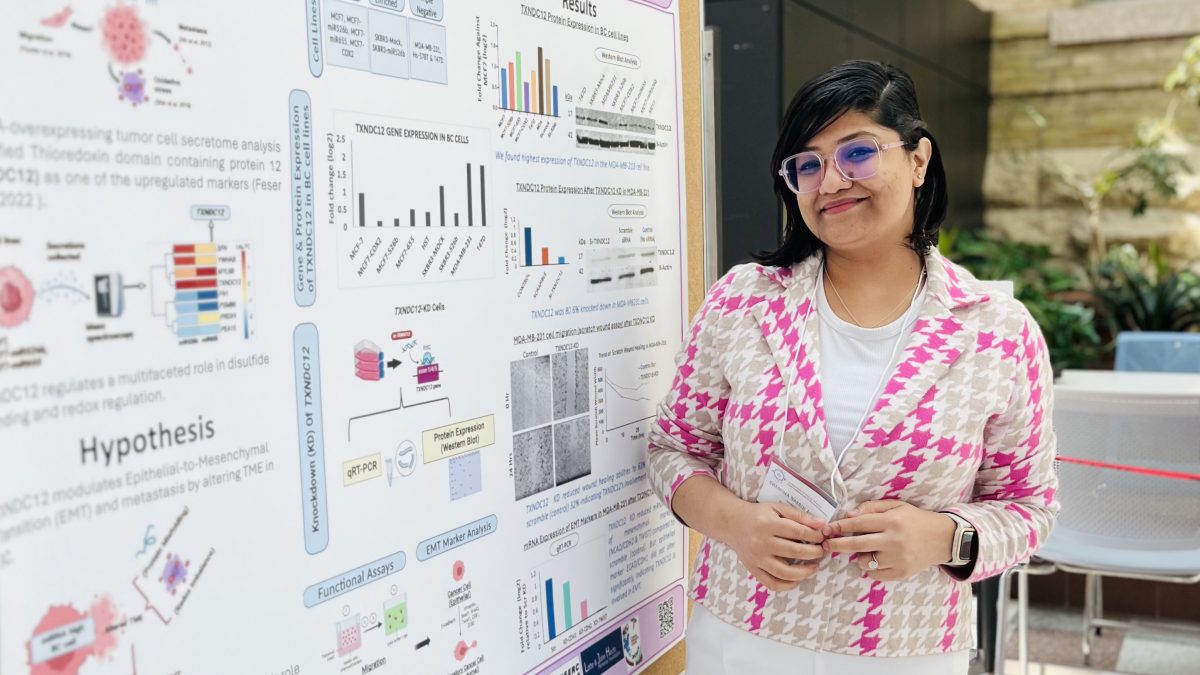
787	394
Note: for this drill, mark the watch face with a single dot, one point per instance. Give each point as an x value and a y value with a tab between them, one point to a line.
964	546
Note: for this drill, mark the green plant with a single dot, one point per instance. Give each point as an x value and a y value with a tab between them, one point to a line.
1150	166
1050	292
1185	76
1143	292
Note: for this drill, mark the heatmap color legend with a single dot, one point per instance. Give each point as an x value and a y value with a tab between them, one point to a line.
245	300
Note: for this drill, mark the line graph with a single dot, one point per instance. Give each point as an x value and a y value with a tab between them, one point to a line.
627	390
625	402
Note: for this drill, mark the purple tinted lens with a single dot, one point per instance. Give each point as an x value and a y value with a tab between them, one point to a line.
803	172
857	159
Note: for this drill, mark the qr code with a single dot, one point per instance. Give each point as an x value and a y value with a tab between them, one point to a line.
666	617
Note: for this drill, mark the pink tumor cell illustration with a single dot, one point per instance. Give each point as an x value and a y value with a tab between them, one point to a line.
16	297
174	573
65	638
58	19
132	88
125	36
57	619
459	570
461	649
104	614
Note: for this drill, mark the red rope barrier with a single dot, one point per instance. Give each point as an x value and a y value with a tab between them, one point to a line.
1157	473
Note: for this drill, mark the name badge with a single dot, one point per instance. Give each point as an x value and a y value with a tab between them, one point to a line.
788	487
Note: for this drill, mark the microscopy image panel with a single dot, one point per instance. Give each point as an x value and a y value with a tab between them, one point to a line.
531	382
572	450
571	384
533	462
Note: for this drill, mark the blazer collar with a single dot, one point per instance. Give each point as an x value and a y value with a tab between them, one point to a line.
938	337
946	282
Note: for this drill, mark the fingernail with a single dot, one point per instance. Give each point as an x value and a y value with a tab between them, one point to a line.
853	512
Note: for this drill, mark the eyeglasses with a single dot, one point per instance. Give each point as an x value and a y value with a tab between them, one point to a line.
855	159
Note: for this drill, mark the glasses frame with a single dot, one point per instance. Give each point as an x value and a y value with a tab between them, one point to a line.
822	160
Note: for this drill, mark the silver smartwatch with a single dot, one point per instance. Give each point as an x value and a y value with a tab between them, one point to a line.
963	541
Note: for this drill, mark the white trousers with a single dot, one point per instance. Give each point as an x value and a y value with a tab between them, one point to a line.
717	648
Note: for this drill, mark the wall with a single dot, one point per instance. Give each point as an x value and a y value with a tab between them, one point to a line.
749	66
1093	71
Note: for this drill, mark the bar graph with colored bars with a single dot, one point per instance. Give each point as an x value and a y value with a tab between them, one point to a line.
534	94
204	277
543	259
562	618
427	221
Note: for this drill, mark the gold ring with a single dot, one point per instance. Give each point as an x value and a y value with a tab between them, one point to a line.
874	564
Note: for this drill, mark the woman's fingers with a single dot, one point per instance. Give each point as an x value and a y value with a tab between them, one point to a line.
773	582
864	561
885	575
864	524
786	548
776	543
803	517
878	506
790	529
864	543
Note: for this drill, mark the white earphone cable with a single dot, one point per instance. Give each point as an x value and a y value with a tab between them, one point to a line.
787	395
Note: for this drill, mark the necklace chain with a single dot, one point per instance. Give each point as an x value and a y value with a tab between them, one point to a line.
887	317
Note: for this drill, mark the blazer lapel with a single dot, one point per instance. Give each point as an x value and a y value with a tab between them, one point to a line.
937	340
793	343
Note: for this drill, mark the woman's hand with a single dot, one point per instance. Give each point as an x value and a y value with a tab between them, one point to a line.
768	536
905	539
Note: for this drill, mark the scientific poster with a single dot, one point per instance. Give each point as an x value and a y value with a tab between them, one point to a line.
330	335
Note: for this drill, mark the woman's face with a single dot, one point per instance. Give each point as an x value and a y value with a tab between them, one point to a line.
868	214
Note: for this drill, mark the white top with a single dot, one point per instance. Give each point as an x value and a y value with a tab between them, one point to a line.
854	364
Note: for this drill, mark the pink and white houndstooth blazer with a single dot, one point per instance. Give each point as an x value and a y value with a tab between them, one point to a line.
962	425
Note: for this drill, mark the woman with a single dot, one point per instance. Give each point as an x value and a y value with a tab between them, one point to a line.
857	426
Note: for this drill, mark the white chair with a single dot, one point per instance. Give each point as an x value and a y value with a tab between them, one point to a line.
1116	520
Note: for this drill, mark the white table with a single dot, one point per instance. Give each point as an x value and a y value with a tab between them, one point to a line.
1128	382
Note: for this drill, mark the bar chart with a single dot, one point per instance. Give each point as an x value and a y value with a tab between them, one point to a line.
401	221
539	255
440	217
210	291
532	92
542	258
572	588
556	622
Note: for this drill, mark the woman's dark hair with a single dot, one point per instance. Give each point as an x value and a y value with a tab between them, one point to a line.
888	96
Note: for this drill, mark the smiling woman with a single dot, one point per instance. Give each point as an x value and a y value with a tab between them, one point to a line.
857	426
